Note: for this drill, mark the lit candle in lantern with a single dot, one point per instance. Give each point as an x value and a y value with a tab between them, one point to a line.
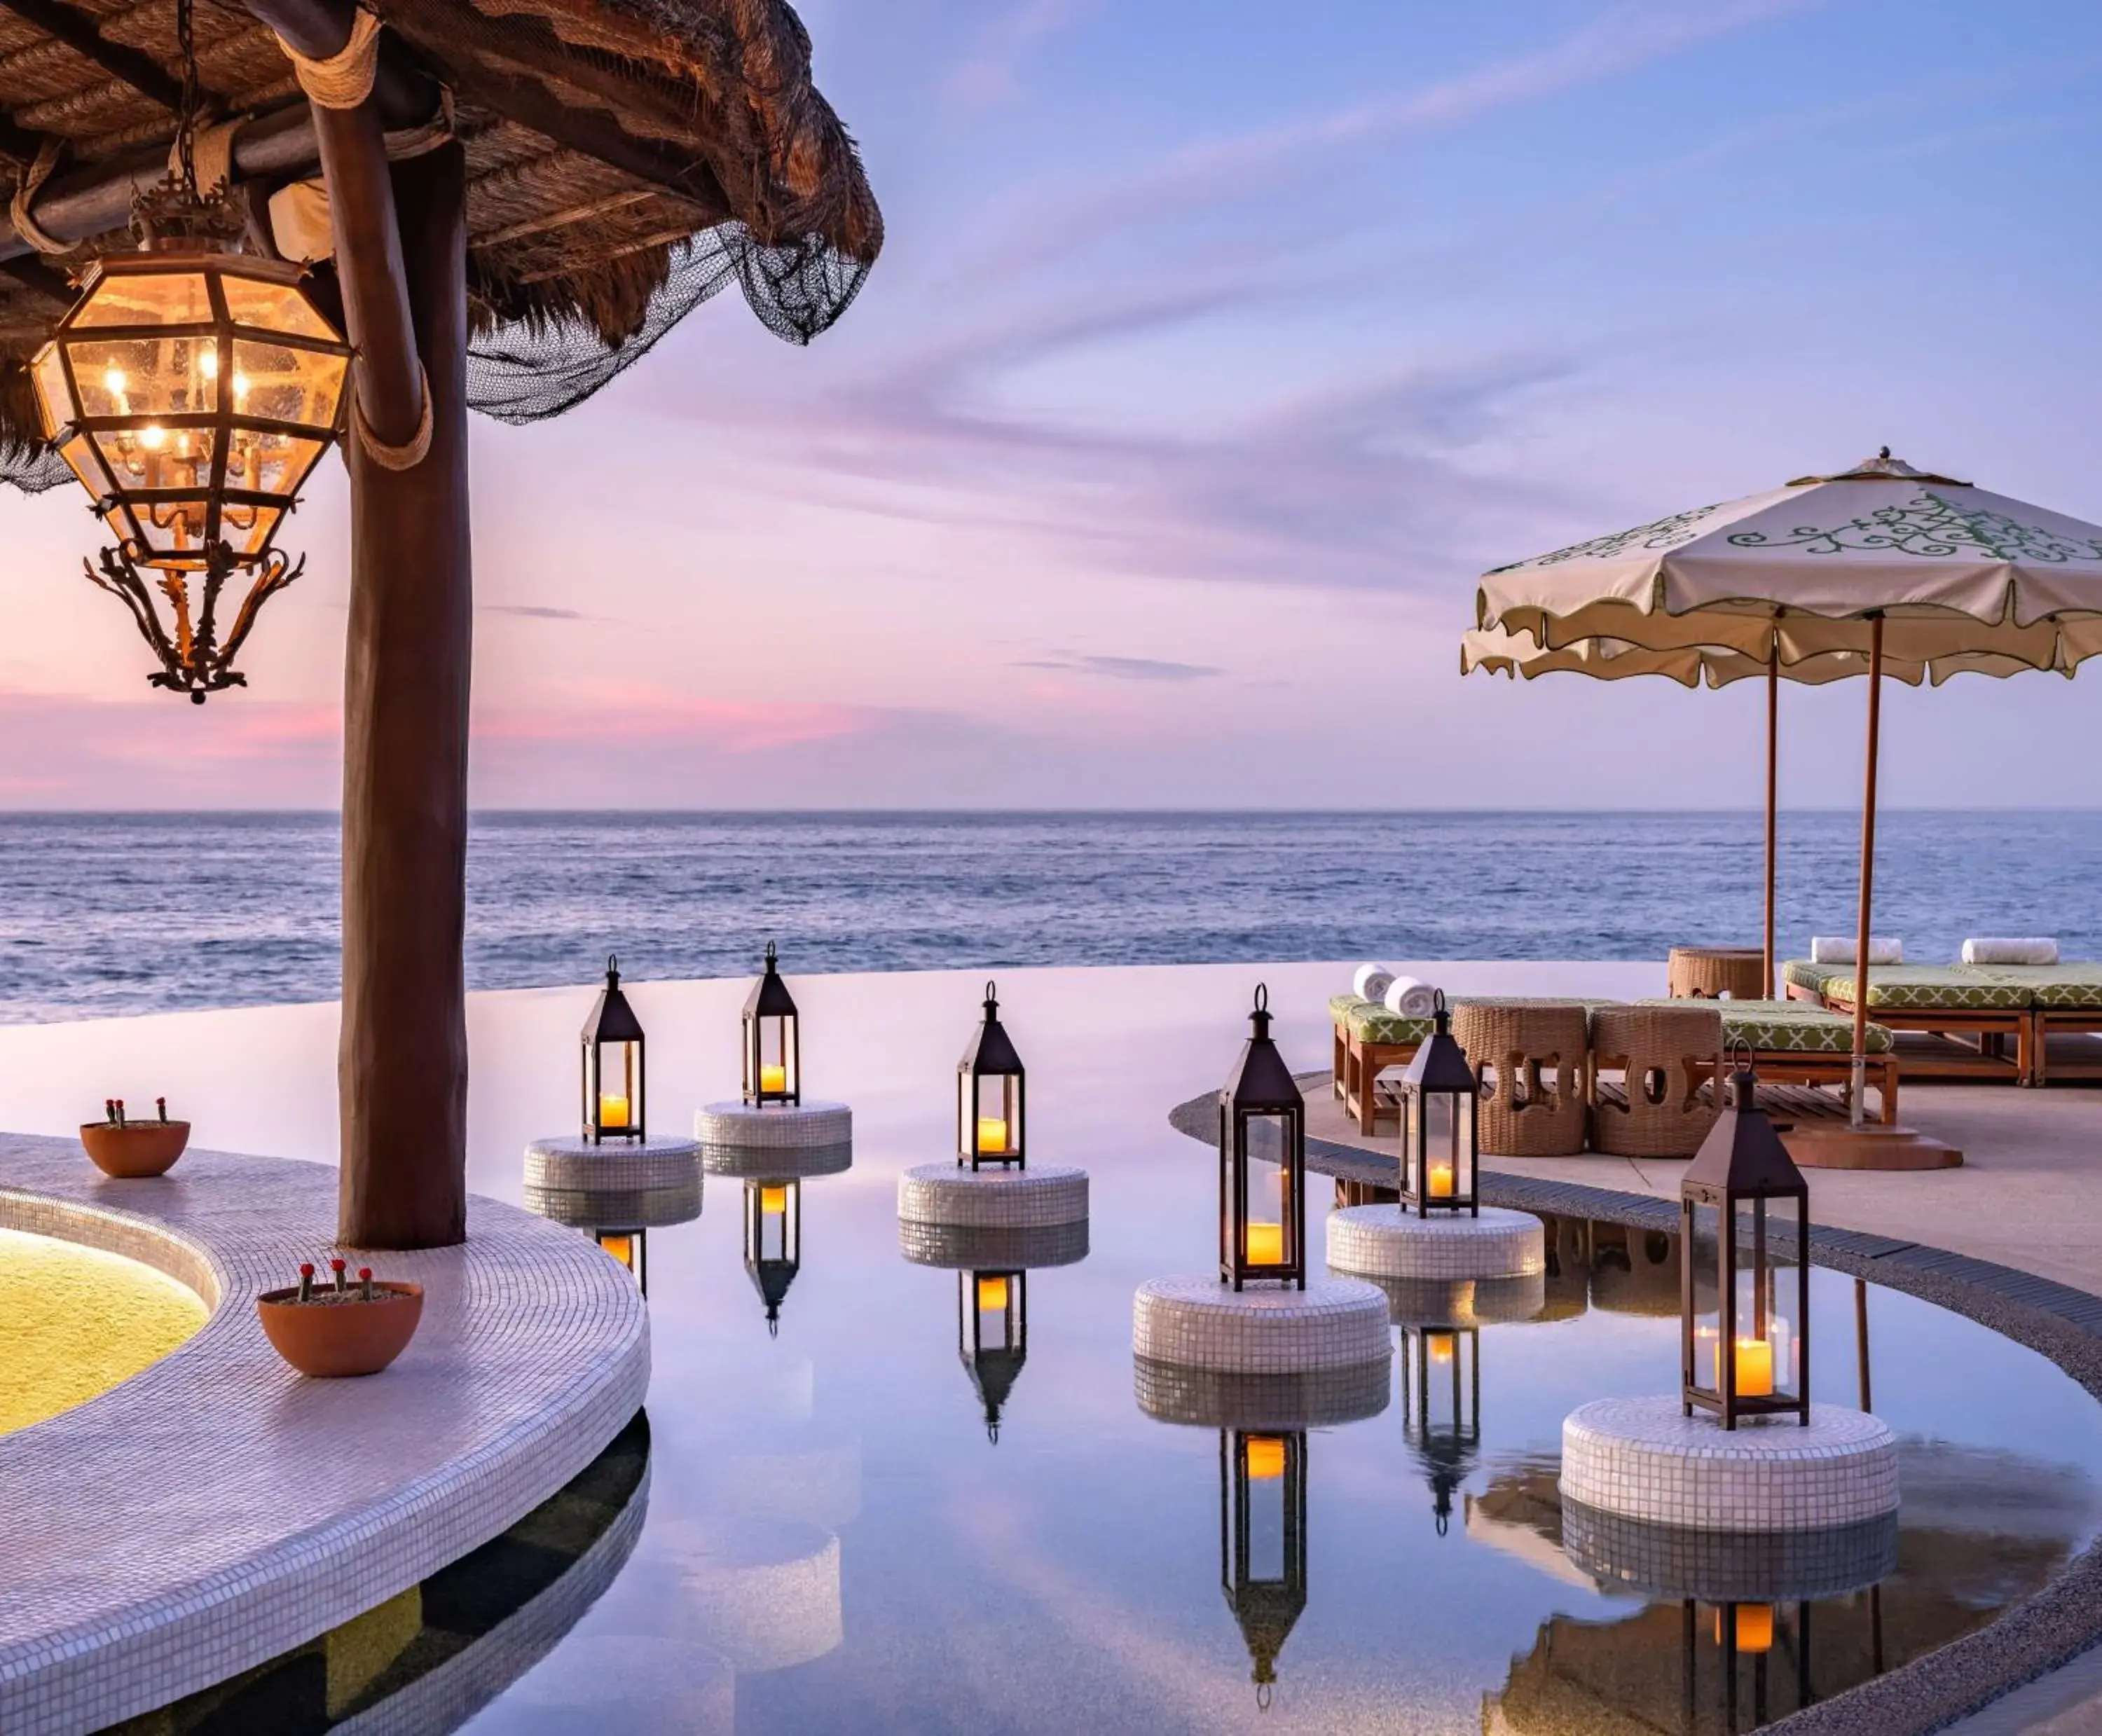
772	1078
1755	1625
774	1200
1266	1244
992	1295
1755	1368
1441	1181
1265	1456
1441	1349
992	1133
612	1110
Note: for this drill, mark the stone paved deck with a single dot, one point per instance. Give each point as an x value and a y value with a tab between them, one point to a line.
218	1509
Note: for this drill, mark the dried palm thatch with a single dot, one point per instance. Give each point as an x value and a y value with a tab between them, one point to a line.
626	159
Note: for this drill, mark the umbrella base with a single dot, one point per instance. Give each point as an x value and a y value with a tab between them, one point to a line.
1875	1145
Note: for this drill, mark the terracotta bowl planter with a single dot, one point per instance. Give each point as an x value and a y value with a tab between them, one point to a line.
138	1148
329	1340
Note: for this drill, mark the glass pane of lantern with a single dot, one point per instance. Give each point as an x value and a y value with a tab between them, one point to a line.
286	384
1266	1185
774	1071
274	307
249	528
773	1221
993	1291
270	463
619	1105
54	396
1767	1332
87	465
1263	1458
1704	1250
1444	1371
144	376
148	298
996	1116
1443	1174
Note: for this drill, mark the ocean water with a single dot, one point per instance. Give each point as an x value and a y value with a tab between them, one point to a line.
111	914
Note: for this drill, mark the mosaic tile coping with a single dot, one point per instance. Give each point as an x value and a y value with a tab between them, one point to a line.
975	1247
184	1532
1670	1562
993	1199
1206	1398
572	1165
1386	1242
1642	1459
1200	1323
776	1126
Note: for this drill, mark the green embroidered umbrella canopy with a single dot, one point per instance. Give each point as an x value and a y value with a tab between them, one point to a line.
1881	570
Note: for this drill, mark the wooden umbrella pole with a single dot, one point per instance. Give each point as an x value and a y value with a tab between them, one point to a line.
1858	1092
1773	741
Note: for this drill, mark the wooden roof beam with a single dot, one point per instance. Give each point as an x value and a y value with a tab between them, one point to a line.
76	30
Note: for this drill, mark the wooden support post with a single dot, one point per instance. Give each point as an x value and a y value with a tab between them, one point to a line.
403	1062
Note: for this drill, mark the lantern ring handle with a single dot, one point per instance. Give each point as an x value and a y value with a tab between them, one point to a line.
1262	996
771	955
989	994
613	964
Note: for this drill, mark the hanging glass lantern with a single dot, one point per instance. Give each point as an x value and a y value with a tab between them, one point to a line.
613	1066
1745	1283
773	1243
992	1336
1439	1098
193	389
773	1042
629	1246
1262	1542
989	1096
1262	1163
1441	1407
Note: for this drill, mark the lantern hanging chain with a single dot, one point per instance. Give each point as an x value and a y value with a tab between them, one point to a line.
186	121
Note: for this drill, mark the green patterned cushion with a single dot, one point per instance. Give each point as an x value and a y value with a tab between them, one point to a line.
2068	985
1787	1027
1931	988
1369	1021
1802	974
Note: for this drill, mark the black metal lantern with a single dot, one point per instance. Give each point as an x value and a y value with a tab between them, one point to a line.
630	1248
1262	1541
192	389
613	1103
773	1241
1439	1099
1262	1163
1746	1637
1744	1278
1441	1407
773	1041
990	1109
992	1336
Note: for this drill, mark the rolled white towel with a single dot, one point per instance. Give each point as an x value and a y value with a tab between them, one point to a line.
1831	949
1371	982
1411	999
2034	951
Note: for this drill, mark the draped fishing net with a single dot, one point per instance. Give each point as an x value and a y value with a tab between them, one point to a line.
531	370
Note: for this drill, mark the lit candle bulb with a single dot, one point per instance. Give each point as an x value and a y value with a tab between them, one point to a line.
772	1078
773	1200
112	383
208	361
992	1295
1266	1244
612	1110
240	390
152	436
992	1134
1264	1456
1441	1349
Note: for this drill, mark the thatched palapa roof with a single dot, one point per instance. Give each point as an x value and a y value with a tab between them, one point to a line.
626	158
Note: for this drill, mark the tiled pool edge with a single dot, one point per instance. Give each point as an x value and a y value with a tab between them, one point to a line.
2044	1632
224	1549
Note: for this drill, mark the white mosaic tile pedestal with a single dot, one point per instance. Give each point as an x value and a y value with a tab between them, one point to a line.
1471	1302
572	1165
617	1208
1205	1398
1386	1242
977	1247
762	1591
1667	1563
775	1141
993	1199
1640	1459
1199	1323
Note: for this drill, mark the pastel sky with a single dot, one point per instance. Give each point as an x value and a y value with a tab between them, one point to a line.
1215	349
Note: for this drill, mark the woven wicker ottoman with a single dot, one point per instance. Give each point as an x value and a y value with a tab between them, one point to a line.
1533	1058
1664	1056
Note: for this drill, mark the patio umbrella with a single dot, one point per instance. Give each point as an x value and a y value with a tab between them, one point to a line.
1879	569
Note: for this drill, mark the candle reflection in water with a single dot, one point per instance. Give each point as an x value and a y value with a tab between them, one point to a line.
1441	1407
629	1246
773	1241
992	1336
1262	1542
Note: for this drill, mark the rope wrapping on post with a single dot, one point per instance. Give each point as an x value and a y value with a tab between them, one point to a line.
27	184
212	154
412	452
344	79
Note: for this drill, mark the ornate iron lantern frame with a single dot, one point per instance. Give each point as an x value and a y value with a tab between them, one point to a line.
1441	1407
608	1113
1741	1199
1262	1541
773	1241
1440	1137
772	1040
1261	1105
991	1095
992	1360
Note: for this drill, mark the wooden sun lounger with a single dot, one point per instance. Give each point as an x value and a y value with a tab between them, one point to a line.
1971	1021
